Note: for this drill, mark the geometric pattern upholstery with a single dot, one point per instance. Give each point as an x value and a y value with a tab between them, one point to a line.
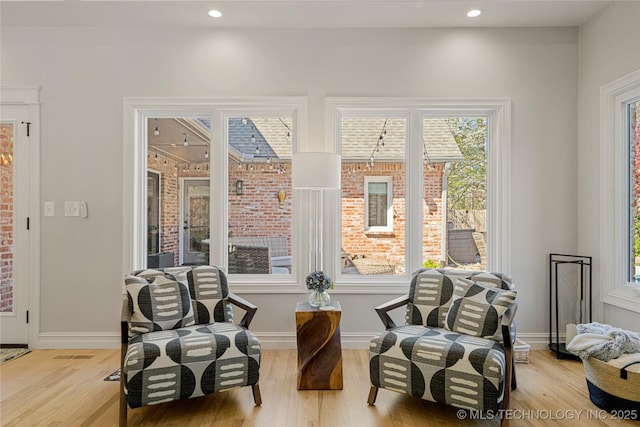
476	309
431	293
440	366
189	362
423	359
208	288
157	306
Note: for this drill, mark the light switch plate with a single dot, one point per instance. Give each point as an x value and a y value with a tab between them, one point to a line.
71	208
49	209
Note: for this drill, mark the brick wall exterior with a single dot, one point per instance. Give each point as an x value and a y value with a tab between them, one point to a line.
389	245
6	219
257	211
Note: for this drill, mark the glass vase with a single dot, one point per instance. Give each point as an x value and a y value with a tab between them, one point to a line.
319	298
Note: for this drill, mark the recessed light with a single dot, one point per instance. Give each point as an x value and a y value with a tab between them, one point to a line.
473	13
215	13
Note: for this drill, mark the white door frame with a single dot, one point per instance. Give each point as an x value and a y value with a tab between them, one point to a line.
28	96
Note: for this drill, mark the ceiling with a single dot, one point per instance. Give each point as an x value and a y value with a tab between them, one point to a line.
300	13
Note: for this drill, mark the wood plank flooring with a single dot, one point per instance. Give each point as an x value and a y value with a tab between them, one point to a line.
59	388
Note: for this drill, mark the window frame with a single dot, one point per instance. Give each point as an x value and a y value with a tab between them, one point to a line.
498	114
615	288
388	227
136	112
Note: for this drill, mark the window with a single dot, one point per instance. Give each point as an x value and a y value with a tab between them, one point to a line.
206	177
177	167
259	210
414	174
633	137
378	204
456	173
620	180
373	149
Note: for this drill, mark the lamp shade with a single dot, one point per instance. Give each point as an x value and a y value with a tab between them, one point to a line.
316	171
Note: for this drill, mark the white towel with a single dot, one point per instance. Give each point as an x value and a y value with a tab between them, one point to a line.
603	342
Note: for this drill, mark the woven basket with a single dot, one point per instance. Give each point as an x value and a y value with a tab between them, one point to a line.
608	388
521	351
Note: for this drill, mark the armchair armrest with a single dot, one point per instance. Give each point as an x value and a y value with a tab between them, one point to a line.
382	310
250	309
124	321
507	322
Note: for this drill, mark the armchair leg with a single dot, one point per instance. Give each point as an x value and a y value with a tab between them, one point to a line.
123	406
257	398
122	422
373	393
514	383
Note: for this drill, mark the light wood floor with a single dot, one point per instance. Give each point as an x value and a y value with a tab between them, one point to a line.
48	388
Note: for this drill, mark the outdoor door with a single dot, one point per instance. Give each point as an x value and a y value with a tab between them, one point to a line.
14	210
195	219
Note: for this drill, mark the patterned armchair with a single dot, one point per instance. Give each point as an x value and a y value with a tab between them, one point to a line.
179	340
456	345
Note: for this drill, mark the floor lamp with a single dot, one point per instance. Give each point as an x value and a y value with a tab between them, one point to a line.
316	172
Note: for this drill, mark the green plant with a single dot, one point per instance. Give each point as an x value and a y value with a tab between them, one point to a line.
431	264
636	237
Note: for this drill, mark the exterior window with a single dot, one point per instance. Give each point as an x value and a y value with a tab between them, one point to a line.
455	172
417	187
259	181
373	193
177	154
633	136
378	203
210	183
620	192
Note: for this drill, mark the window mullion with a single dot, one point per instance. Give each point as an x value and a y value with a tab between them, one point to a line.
414	191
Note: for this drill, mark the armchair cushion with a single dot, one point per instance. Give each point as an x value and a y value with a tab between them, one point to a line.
431	293
158	304
189	362
440	366
476	309
208	289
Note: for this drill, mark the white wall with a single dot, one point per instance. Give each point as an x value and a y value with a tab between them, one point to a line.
609	49
86	72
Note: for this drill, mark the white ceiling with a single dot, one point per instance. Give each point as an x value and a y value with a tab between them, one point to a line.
300	13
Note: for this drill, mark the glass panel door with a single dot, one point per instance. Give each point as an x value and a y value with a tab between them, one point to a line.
195	217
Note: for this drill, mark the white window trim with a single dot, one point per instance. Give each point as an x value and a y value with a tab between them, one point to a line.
498	113
389	208
614	178
135	113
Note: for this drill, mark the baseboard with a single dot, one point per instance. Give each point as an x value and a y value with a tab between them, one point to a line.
269	340
537	340
95	340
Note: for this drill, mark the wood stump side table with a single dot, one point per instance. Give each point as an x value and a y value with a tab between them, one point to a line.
319	347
